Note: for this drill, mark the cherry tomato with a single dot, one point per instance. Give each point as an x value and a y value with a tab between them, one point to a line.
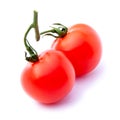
82	46
50	78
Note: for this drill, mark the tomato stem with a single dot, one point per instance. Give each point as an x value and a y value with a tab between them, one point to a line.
58	29
35	25
32	52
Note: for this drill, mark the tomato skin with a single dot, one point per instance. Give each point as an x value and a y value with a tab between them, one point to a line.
50	79
82	46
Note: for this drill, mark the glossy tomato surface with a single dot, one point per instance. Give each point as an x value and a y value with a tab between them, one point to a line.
50	79
82	46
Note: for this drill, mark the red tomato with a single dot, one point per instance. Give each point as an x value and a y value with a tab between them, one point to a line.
82	47
50	78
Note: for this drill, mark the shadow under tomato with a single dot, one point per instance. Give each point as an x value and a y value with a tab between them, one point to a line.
66	101
81	85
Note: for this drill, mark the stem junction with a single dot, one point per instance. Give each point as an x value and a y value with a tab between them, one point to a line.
58	30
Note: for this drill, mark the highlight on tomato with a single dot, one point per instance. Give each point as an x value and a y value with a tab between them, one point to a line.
80	44
47	77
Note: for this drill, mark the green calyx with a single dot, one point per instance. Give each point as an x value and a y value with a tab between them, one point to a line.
33	56
58	31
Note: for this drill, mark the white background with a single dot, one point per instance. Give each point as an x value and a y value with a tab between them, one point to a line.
95	96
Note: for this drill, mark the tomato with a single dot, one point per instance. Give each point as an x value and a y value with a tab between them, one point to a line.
82	46
49	79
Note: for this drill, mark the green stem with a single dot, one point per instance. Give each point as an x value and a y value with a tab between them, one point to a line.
47	31
60	30
35	25
32	52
